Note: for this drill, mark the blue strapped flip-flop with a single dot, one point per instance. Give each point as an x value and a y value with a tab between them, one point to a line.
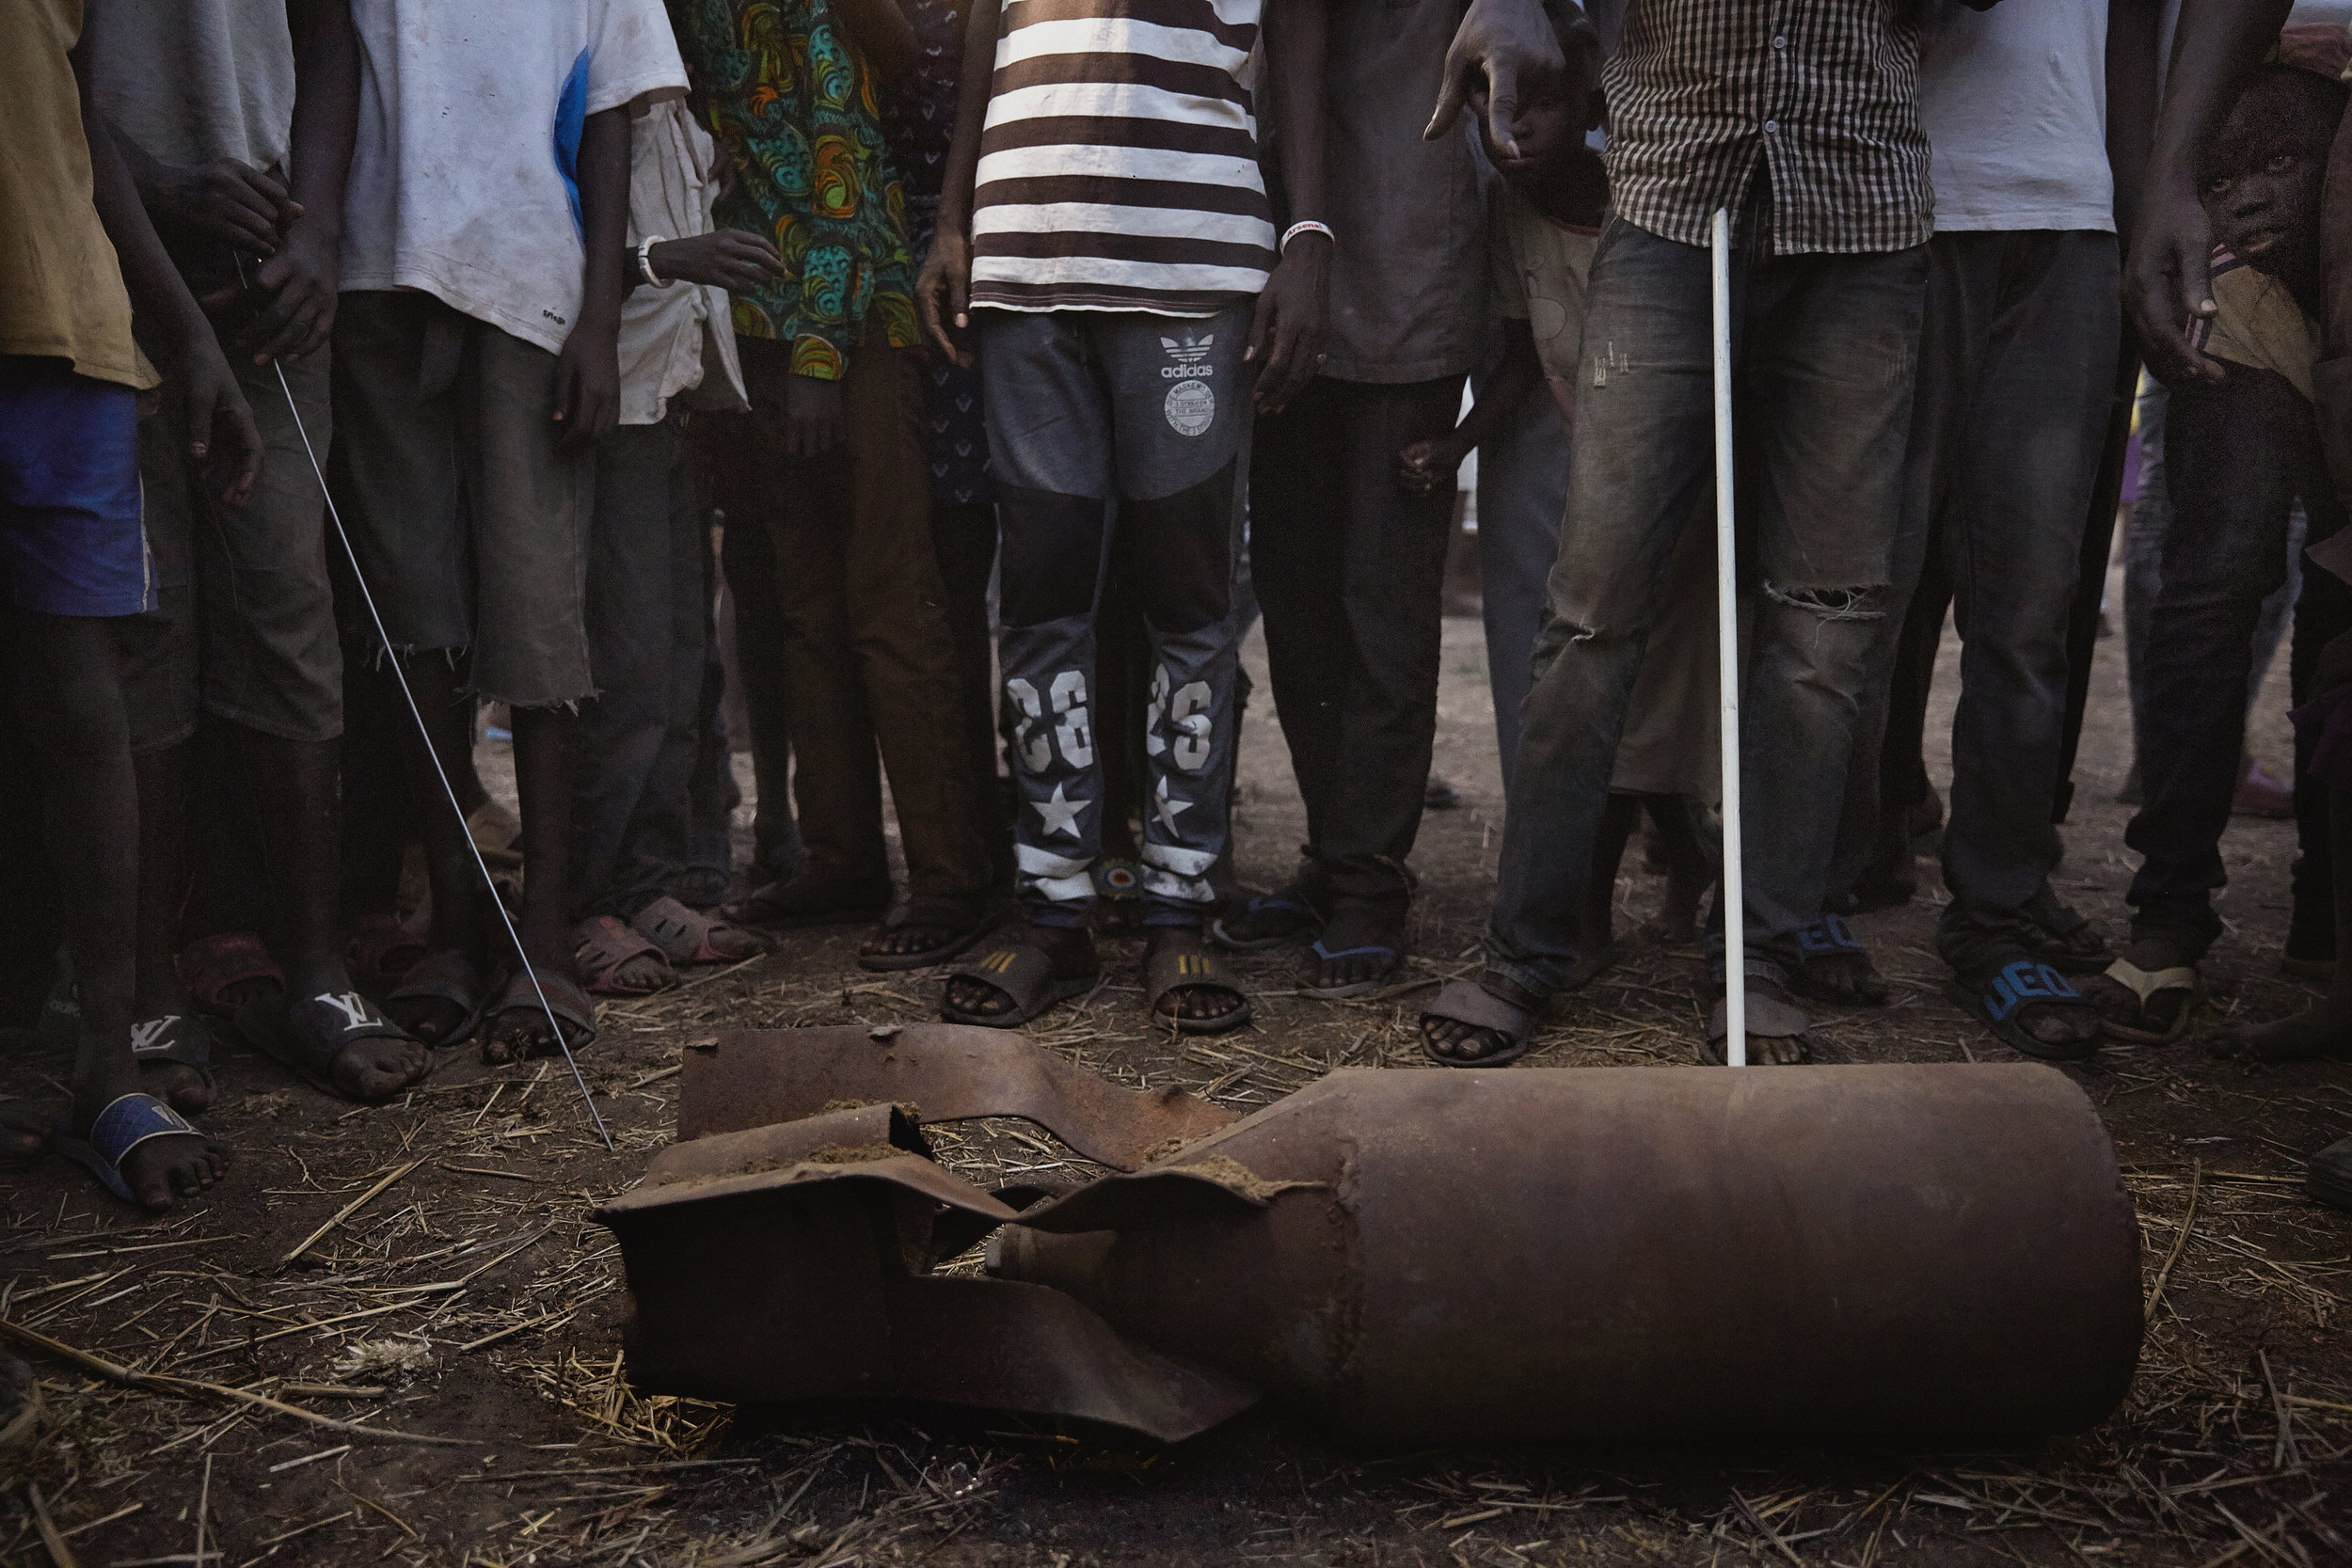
1323	955
1288	910
1829	936
2001	994
127	1122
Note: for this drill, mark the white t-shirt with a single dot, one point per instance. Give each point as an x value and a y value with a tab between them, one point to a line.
190	81
2014	100
677	341
460	185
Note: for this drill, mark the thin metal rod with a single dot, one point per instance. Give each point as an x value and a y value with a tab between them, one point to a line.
423	734
1727	664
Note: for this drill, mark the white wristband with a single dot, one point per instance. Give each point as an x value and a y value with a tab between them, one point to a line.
1305	226
644	261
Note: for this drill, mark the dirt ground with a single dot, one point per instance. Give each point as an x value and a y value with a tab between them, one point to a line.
429	1268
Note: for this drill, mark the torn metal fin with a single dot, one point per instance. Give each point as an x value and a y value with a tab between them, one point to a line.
949	1071
791	1262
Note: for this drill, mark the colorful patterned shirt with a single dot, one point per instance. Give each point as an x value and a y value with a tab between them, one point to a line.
796	111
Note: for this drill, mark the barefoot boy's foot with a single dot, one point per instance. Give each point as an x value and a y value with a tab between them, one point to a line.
2321	1031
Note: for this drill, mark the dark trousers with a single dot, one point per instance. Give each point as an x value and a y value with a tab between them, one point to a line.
1350	572
1822	427
2008	418
863	648
648	625
2237	456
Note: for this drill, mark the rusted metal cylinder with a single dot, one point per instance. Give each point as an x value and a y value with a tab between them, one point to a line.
1632	1253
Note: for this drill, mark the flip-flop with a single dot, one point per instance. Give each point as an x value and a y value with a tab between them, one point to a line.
564	999
178	1039
1353	988
690	936
1021	971
1468	1002
128	1121
1173	969
377	949
210	965
1768	1018
2146	985
1304	919
1829	938
450	977
959	920
603	945
805	901
307	1035
2001	994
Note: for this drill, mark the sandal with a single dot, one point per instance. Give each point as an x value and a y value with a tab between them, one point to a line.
1832	966
2146	985
128	1121
807	901
209	966
1179	961
688	937
1395	960
381	950
308	1037
2060	937
1770	1017
1023	971
957	921
450	977
2001	992
564	998
605	944
1270	920
1498	1019
176	1039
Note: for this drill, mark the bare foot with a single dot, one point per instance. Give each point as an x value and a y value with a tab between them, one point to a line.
26	1128
2321	1031
1362	945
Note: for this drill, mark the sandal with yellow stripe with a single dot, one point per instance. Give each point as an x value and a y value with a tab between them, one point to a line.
1178	961
1022	972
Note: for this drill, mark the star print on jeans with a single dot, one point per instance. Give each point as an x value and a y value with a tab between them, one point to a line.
1061	815
1167	806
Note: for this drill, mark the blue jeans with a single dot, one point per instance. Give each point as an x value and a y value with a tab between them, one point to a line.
1522	489
1823	349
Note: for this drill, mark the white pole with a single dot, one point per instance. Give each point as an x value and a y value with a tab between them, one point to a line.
1727	664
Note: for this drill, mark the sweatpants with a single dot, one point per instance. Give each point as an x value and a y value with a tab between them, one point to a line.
1096	420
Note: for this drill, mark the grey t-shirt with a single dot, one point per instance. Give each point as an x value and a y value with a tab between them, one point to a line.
1408	275
2014	101
193	80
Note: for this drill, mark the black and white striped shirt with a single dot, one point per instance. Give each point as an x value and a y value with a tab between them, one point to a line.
1118	161
1824	92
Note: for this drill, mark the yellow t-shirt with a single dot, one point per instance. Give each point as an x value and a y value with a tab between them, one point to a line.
64	298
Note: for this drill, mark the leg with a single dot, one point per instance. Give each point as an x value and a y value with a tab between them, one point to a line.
2323	1029
1641	448
530	502
1183	456
71	705
1050	434
1522	489
2143	555
2323	611
394	472
2044	320
964	537
749	562
907	666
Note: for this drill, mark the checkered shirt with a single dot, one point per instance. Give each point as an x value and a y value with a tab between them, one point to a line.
1824	91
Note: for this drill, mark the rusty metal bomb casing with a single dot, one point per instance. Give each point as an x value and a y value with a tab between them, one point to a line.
1631	1253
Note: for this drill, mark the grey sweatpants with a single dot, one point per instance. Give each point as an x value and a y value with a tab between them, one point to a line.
1087	409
